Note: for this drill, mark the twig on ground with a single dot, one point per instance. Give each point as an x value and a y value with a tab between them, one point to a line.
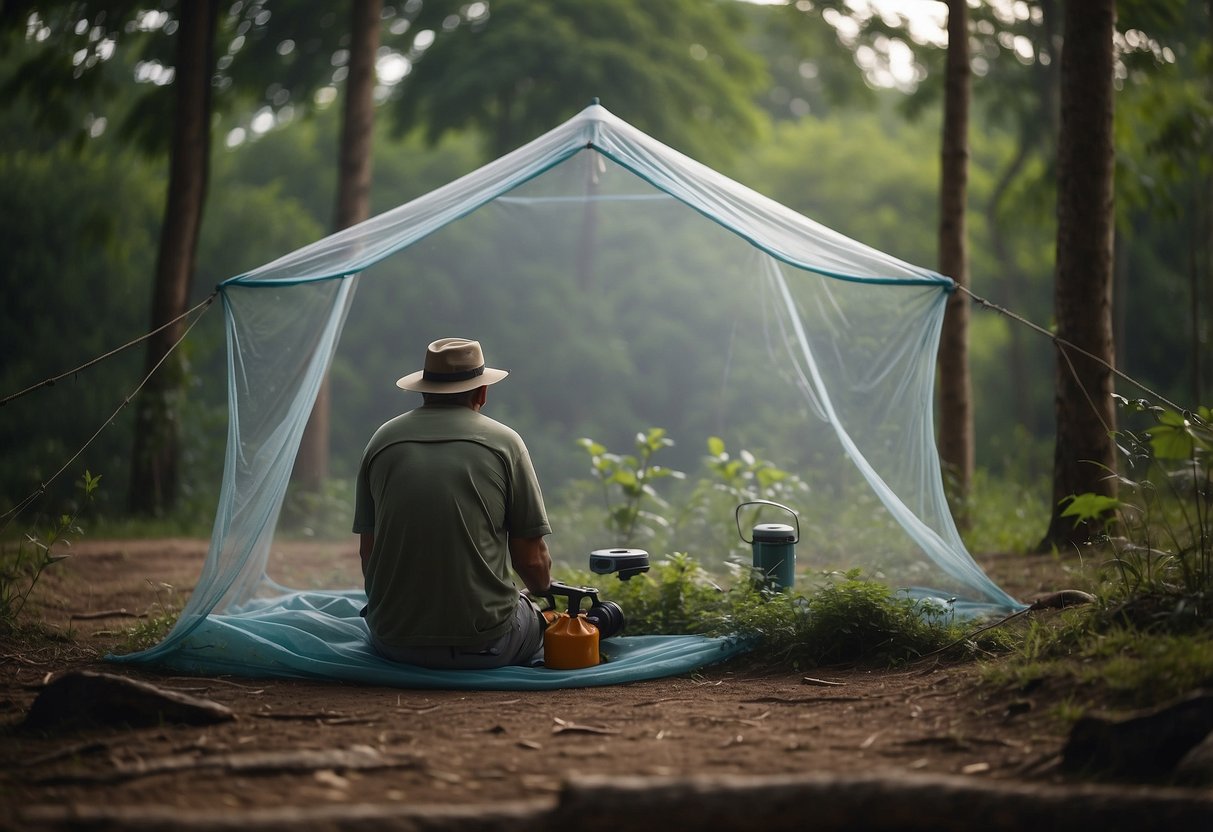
119	613
564	727
812	700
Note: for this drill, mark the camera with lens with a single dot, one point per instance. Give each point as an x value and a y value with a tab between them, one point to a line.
570	640
606	616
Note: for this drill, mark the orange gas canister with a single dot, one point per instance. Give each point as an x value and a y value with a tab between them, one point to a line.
570	642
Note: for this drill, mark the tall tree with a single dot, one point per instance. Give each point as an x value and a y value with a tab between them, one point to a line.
154	460
354	163
1084	457
956	442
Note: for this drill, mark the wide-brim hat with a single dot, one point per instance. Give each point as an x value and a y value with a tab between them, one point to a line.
452	365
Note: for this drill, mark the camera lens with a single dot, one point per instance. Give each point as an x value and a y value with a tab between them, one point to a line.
607	616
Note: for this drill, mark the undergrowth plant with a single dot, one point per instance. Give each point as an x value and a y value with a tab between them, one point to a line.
685	515
627	485
1162	552
843	618
22	564
1145	639
152	628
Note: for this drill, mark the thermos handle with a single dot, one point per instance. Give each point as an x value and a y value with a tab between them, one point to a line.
737	517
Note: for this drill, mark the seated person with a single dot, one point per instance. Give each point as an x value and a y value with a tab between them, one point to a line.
446	501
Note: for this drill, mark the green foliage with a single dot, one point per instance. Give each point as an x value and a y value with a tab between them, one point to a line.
677	69
22	564
152	629
676	596
631	476
1163	559
1109	663
1146	638
688	515
78	236
844	618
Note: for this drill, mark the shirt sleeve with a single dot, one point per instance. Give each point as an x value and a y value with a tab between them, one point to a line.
528	516
364	504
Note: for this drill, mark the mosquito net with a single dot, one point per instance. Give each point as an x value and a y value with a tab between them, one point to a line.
628	287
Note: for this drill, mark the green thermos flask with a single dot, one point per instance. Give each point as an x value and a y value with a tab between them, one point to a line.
774	546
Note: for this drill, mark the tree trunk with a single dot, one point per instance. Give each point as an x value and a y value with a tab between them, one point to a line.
353	206
154	459
956	444
1084	458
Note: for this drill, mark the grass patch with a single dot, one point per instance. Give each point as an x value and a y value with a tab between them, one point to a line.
1121	666
151	630
1148	638
1095	656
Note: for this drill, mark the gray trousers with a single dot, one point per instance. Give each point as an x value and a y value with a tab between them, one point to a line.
522	645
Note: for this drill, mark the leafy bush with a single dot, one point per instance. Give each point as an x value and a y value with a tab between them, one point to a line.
675	597
844	619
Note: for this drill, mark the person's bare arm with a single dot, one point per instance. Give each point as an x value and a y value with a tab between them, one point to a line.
532	562
366	542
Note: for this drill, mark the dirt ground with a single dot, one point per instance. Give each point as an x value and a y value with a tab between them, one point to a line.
463	748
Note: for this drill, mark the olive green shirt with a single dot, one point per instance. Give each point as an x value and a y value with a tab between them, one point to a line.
443	488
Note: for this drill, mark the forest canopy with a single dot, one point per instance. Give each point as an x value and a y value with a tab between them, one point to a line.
829	108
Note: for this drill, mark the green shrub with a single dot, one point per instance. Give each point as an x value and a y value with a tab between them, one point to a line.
844	619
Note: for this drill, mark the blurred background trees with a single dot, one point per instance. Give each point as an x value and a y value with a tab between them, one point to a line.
832	108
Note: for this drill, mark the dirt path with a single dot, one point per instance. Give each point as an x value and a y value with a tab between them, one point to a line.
462	748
